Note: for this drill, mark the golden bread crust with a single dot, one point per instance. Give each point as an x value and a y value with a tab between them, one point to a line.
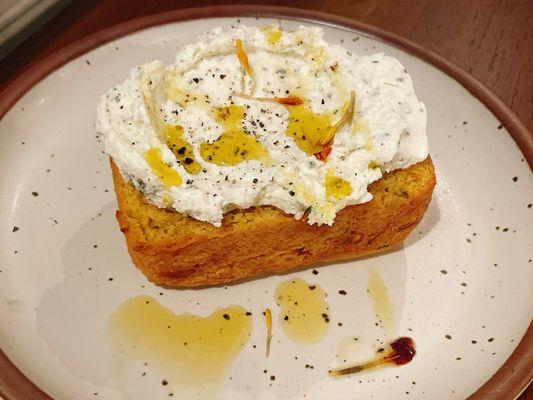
175	250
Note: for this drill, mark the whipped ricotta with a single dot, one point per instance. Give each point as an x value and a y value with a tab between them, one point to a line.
215	131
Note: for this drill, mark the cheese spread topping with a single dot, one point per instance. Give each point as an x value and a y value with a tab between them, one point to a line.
251	116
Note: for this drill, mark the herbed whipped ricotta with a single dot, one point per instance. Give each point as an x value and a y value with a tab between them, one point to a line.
251	116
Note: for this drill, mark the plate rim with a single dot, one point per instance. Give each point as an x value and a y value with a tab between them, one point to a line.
514	375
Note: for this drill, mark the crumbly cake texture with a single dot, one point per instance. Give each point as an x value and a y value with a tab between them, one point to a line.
173	249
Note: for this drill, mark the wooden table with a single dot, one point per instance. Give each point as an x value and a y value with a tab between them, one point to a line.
491	39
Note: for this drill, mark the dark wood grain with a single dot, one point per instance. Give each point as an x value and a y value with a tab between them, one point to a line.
491	39
527	395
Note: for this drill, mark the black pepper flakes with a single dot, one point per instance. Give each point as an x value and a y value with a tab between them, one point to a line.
15	228
342	292
226	317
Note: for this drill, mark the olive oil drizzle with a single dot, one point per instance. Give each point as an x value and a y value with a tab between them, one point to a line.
304	313
234	145
383	307
337	188
361	128
182	150
184	349
272	34
307	127
168	176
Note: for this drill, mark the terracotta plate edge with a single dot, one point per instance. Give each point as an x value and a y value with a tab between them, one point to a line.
516	373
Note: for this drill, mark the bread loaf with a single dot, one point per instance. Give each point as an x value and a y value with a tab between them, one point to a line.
173	249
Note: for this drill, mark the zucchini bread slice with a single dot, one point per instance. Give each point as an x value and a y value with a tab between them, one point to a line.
173	249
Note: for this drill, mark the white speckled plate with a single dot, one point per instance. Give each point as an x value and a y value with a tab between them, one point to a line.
460	286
